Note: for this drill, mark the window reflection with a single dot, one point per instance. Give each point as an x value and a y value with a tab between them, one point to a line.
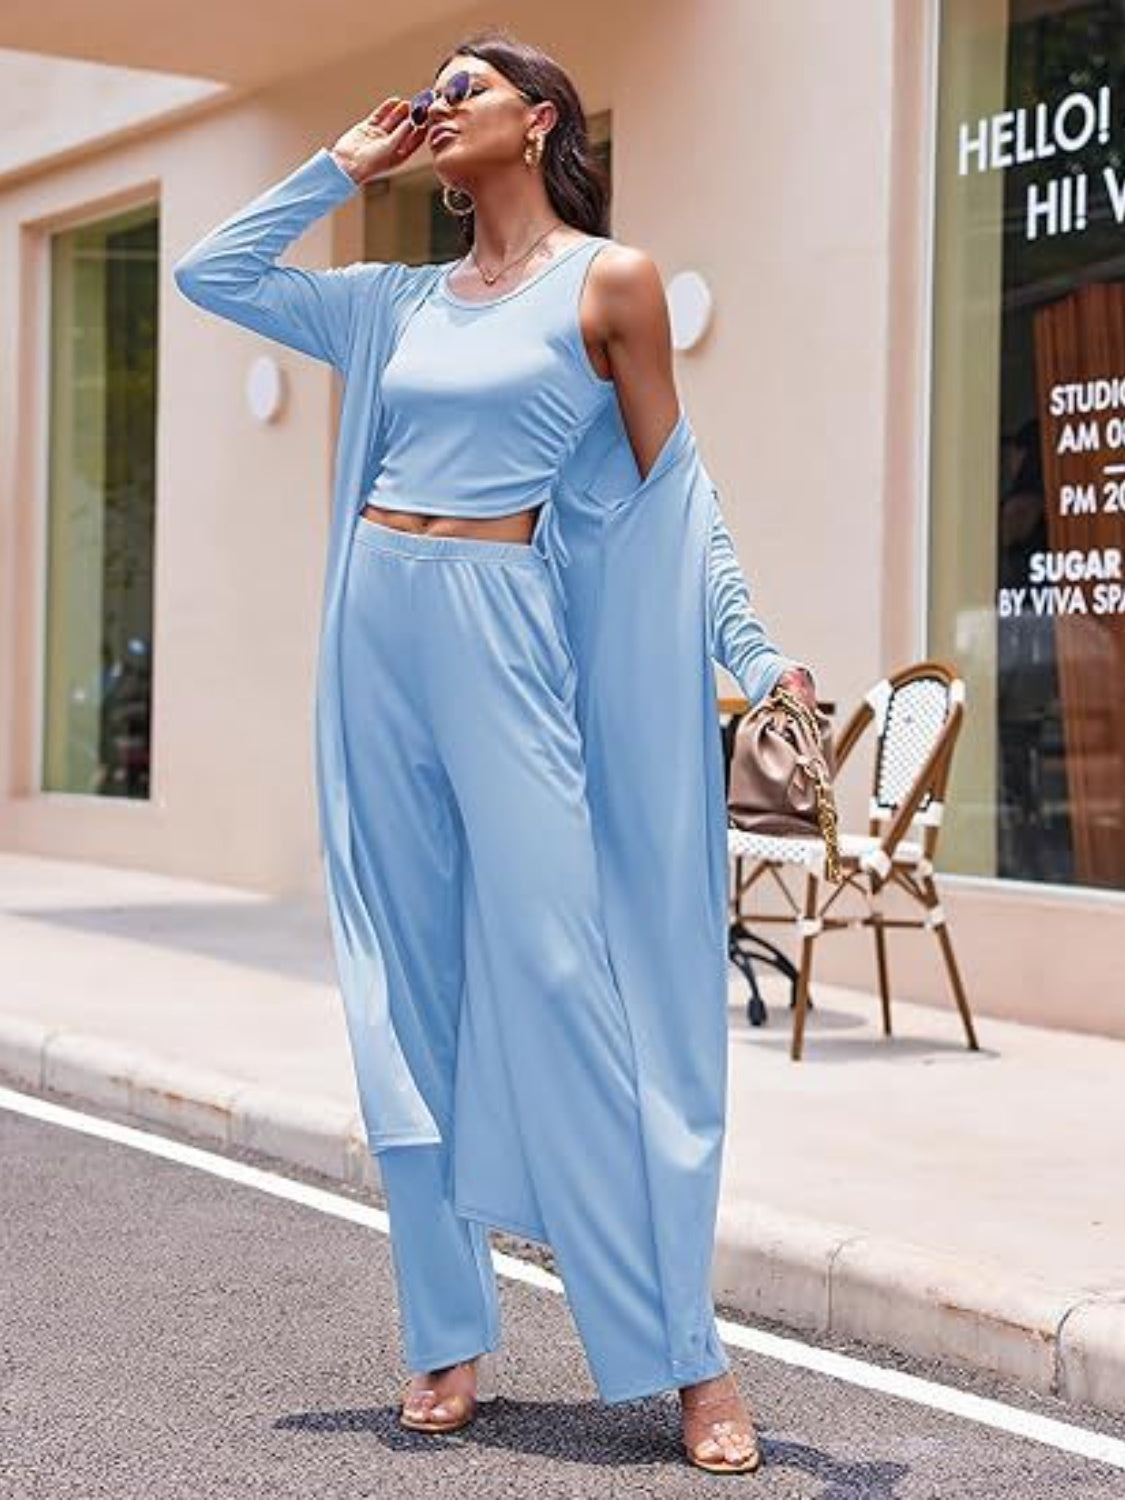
1028	433
101	507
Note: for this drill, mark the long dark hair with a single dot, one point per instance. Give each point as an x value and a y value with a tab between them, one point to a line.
577	184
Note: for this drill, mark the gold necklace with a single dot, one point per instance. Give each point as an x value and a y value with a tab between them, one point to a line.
491	280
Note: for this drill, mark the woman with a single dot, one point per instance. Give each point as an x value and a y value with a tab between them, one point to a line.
526	871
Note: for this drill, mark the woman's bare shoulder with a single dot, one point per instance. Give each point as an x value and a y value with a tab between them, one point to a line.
627	279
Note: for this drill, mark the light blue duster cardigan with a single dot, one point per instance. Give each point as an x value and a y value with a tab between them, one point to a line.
653	591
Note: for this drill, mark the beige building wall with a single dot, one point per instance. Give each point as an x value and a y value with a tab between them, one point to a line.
781	150
55	107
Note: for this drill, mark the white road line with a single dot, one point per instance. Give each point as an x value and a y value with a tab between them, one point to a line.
1046	1430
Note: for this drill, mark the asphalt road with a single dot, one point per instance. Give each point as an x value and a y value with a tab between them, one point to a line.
167	1333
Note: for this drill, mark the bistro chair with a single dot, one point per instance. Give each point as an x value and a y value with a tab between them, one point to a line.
917	713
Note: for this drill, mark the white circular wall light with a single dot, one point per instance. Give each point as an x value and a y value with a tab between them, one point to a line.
265	388
689	308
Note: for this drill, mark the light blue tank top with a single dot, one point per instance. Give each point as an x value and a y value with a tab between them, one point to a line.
484	400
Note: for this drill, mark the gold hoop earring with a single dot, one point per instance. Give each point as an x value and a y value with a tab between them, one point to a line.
533	150
450	208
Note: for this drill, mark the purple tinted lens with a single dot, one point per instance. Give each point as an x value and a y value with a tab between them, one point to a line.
420	106
458	87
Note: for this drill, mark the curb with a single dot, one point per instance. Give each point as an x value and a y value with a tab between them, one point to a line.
301	1131
827	1278
809	1275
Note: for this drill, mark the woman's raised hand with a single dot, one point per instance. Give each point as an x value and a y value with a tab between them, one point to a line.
379	141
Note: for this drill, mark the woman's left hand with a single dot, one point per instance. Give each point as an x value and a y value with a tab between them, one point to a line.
799	680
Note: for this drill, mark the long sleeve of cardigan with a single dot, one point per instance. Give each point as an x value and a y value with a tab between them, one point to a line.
738	638
233	270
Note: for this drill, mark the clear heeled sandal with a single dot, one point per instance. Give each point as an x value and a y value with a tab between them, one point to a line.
459	1407
719	1432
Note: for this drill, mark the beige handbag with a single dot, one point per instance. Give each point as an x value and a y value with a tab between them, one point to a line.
781	771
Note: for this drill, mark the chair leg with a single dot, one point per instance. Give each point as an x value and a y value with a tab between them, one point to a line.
884	977
805	969
942	929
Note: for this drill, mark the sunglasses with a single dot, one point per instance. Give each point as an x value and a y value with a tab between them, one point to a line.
456	89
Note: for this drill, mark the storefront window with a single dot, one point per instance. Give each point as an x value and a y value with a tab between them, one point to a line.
102	451
1027	477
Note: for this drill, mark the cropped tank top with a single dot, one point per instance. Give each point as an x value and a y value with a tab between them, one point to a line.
484	400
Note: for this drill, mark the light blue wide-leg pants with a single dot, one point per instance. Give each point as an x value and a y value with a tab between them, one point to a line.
467	784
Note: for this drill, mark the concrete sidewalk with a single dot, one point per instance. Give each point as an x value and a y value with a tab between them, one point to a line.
907	1191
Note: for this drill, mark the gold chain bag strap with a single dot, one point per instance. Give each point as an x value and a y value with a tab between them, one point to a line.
781	771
